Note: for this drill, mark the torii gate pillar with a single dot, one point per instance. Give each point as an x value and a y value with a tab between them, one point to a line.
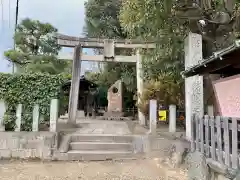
74	91
141	116
109	46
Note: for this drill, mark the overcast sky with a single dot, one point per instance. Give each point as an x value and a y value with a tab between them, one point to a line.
66	15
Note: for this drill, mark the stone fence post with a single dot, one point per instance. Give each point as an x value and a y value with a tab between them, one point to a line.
19	118
172	118
35	124
2	112
53	115
153	116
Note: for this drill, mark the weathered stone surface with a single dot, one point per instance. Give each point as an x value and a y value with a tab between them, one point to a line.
36	116
2	112
5	153
220	171
65	141
26	145
197	166
193	85
153	116
54	115
115	97
237	176
140	144
216	166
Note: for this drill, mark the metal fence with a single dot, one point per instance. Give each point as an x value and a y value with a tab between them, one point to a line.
218	138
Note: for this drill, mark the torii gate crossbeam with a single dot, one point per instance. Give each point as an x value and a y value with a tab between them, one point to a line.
109	46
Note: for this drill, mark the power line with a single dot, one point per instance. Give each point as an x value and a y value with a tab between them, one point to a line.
15	28
9	14
16	15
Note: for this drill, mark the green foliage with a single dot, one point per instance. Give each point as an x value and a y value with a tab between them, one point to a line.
151	20
166	91
29	89
34	37
102	22
36	48
102	19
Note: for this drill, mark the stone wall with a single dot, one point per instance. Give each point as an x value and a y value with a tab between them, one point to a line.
27	145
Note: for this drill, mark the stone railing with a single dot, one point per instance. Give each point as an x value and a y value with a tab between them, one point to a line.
35	114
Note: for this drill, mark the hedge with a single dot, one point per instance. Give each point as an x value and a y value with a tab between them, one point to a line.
29	89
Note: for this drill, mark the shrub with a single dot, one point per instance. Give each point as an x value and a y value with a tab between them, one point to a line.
29	89
166	91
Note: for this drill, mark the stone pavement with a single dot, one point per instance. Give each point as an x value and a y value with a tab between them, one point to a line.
92	126
103	127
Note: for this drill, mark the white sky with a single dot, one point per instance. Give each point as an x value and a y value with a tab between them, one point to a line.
66	15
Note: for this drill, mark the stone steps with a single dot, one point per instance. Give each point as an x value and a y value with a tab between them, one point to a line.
97	155
107	146
97	147
101	138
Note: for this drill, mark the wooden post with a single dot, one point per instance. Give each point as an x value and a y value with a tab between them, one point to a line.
19	117
201	135
197	132
172	118
193	137
206	123
141	116
2	113
226	141
153	116
235	143
74	91
219	139
35	123
53	115
213	138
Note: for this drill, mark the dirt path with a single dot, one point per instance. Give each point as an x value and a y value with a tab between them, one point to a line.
108	170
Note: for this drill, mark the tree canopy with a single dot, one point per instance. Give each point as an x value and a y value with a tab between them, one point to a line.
166	22
36	48
102	22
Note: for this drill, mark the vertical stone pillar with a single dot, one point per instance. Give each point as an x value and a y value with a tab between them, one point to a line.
210	110
153	116
172	118
193	85
19	118
36	117
141	116
74	91
2	113
53	115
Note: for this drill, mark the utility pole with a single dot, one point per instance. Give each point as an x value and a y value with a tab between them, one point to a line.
15	28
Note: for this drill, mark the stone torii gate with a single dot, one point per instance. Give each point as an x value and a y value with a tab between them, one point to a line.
109	46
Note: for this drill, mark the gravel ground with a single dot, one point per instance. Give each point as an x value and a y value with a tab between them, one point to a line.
147	169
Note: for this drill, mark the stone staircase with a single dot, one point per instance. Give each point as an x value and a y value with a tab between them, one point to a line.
93	147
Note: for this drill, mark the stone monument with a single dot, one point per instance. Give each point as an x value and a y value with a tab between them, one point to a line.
115	98
194	103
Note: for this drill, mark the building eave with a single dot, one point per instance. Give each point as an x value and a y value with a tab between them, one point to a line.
217	56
